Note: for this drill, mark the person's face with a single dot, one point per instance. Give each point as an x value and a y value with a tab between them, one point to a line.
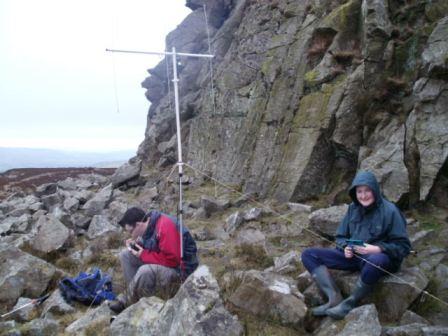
137	230
129	228
364	195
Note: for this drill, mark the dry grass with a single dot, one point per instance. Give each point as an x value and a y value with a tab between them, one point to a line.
68	264
253	255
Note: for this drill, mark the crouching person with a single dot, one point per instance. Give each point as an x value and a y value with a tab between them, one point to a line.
379	228
151	259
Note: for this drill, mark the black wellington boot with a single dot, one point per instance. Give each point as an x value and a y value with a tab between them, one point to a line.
341	310
326	284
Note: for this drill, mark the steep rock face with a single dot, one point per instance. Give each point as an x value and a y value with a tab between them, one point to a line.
304	93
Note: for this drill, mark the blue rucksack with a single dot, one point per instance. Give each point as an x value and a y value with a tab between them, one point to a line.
88	288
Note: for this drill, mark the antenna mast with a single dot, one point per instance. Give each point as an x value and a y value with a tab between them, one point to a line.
180	163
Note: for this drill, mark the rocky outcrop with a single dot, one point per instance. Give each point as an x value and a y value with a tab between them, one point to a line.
326	221
22	274
125	173
270	296
94	319
360	321
196	309
306	93
50	234
138	318
426	131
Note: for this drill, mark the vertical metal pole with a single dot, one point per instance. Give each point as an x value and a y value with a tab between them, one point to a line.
179	146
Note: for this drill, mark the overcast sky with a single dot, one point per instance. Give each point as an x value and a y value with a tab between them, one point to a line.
60	89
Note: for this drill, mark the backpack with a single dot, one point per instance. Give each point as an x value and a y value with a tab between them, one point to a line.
87	288
190	259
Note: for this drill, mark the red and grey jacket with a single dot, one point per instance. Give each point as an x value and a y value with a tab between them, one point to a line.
161	242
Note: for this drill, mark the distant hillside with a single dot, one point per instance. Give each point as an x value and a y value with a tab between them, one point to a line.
48	158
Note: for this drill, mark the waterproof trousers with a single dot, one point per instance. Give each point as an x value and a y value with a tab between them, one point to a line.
143	280
335	259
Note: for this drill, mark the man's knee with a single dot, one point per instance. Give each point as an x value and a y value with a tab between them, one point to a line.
307	254
146	272
155	279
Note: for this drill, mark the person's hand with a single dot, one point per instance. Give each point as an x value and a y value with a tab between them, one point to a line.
128	241
367	249
348	252
136	252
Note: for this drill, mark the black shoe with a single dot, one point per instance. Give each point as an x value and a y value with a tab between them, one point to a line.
117	306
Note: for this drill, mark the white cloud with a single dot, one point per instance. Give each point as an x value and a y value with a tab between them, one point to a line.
57	82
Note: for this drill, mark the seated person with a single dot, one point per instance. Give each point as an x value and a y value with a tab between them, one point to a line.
381	227
152	257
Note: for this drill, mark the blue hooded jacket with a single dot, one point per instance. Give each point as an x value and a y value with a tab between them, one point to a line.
380	224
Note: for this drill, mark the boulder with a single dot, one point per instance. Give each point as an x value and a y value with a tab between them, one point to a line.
27	313
49	234
55	305
413	329
299	207
386	160
22	274
95	205
426	136
421	237
46	189
410	317
442	276
203	234
434	56
10	328
360	321
288	263
71	204
252	214
116	210
233	222
125	173
47	327
212	205
138	318
435	331
99	226
61	215
251	237
151	193
392	296
196	310
80	220
168	146
71	183
199	214
270	296
94	319
51	201
304	281
15	224
326	221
